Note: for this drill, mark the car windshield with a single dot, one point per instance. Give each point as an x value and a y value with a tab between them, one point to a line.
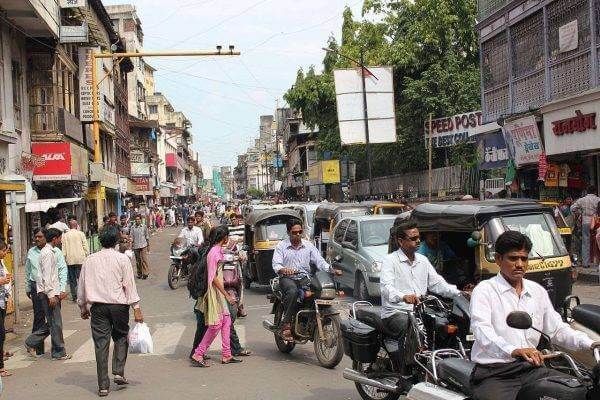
539	228
375	232
390	210
274	231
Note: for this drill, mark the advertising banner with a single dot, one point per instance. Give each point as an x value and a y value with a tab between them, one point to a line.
460	128
57	161
379	88
492	152
523	140
331	171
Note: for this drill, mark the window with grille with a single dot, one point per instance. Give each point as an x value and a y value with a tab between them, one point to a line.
153	109
17	87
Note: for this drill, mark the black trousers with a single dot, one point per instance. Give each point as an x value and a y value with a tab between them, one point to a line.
39	317
54	328
502	381
109	320
2	336
289	288
398	324
73	277
236	347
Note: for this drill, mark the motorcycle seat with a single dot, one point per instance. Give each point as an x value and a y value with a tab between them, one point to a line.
372	317
457	371
587	315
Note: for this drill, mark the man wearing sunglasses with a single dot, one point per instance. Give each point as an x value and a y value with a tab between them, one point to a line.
291	261
406	276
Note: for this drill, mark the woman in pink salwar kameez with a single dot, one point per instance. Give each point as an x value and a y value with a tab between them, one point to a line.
214	303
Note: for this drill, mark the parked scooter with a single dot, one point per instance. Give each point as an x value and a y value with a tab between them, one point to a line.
181	259
317	320
383	368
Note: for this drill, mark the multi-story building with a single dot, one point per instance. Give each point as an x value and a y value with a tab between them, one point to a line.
126	21
540	62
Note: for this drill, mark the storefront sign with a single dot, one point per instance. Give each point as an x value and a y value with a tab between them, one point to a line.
72	3
579	123
461	128
331	171
142	185
571	125
74	34
140	169
63	161
523	139
492	152
96	193
568	37
85	83
137	156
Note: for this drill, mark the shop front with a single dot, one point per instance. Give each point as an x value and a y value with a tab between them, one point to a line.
572	143
61	175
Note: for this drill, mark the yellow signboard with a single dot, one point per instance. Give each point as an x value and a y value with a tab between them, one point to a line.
331	171
92	193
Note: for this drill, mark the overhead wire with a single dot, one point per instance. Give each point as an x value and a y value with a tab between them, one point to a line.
215	80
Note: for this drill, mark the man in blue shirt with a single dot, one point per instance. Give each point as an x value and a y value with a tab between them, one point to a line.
437	252
291	261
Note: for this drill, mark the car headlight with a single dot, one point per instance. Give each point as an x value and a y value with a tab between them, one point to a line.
376	266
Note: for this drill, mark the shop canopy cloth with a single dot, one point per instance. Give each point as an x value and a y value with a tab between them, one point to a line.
43	205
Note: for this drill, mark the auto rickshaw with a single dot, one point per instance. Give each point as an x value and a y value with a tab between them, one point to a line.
263	230
377	207
327	215
566	231
470	229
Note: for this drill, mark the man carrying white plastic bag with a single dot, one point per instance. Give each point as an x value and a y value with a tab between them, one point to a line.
106	291
140	340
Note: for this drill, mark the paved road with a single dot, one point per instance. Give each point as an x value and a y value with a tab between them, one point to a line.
267	374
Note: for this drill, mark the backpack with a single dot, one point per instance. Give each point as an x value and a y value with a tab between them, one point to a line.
198	280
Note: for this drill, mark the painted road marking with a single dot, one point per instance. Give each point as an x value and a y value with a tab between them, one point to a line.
22	359
166	338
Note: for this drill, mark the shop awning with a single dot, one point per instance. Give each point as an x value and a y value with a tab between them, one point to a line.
44	205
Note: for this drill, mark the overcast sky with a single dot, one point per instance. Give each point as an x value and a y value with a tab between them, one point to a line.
224	96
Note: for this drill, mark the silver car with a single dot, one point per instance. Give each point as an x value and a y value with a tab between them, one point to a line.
357	247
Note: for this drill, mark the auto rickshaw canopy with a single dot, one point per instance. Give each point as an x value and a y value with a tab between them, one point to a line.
468	216
257	216
329	211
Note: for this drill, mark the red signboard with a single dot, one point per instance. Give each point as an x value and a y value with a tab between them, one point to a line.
57	160
171	160
142	184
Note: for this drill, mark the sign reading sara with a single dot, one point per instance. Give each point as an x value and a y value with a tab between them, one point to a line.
460	128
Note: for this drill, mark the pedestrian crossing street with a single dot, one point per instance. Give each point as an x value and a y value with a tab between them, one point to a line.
166	338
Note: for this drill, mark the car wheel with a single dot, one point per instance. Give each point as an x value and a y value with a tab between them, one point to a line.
360	288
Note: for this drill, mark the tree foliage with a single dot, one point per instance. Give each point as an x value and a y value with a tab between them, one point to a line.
432	46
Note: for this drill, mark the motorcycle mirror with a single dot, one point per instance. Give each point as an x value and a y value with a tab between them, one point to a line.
519	320
476	236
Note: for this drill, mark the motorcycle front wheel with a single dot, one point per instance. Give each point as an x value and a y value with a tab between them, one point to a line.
282	345
382	364
173	276
329	350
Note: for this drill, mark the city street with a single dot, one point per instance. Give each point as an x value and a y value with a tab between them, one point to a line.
267	374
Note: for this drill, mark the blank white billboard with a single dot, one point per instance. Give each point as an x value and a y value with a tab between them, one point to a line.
380	105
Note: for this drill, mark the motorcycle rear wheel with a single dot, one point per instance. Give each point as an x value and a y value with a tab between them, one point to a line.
173	276
369	392
282	345
330	350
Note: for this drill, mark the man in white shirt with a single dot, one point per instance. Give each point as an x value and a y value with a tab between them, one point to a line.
507	358
191	233
405	276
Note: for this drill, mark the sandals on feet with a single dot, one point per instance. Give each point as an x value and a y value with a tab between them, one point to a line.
231	360
120	380
244	353
103	392
200	364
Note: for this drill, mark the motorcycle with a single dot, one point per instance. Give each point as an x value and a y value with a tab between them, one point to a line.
181	259
384	368
316	320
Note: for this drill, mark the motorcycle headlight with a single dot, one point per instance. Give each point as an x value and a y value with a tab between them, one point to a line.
376	266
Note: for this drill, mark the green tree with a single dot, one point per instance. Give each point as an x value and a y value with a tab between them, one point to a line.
432	46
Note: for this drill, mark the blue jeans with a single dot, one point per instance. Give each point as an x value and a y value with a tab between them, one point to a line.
585	244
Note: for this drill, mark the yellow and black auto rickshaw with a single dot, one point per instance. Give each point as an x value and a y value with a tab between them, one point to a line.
470	230
263	230
565	229
379	207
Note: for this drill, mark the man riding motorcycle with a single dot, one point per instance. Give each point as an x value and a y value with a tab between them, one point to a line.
507	358
291	261
406	276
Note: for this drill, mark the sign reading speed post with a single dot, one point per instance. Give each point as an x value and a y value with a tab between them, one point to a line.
460	128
